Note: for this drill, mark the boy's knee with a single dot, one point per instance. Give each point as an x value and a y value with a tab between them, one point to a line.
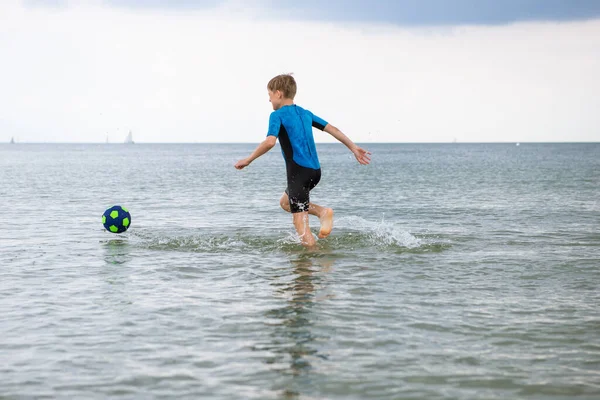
284	203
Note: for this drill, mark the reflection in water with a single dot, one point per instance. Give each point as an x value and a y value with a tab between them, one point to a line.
293	340
117	251
116	293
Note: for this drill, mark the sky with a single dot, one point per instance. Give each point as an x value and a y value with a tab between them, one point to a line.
381	71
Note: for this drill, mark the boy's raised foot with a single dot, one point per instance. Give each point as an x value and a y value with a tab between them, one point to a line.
326	223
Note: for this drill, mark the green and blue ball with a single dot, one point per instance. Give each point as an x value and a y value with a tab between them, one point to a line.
116	219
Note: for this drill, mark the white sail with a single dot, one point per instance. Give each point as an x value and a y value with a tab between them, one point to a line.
129	138
12	140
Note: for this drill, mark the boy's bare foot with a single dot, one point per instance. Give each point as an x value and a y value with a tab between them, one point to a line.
326	223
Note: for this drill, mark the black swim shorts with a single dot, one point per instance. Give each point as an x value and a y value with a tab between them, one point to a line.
300	181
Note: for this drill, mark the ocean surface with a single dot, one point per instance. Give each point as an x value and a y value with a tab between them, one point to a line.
454	271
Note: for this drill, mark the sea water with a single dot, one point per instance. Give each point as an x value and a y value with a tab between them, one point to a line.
456	271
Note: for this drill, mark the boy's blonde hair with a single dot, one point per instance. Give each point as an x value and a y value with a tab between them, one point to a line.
284	83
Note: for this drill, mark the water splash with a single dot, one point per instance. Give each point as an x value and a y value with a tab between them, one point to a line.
381	233
291	238
349	233
187	242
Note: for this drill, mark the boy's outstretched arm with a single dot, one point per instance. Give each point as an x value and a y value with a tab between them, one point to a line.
362	155
262	148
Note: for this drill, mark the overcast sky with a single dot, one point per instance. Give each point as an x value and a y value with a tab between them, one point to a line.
382	71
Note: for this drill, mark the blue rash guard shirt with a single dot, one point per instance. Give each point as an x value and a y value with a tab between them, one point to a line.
292	125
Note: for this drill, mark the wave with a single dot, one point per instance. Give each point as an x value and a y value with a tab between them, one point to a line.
350	233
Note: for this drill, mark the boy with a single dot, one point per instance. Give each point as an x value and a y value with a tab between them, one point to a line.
292	125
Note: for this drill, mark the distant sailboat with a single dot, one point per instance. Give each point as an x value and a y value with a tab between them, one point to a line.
12	140
129	139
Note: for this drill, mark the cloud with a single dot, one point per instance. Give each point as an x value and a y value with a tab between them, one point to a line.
45	3
400	12
84	72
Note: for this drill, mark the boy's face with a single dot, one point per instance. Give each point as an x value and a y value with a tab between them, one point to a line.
275	98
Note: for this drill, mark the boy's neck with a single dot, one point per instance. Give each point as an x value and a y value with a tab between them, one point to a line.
287	102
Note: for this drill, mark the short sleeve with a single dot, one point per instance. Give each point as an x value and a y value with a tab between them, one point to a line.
317	122
274	125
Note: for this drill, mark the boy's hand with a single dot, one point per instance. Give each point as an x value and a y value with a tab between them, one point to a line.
362	155
262	148
242	164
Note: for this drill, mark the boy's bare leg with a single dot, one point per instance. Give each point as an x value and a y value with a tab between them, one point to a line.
284	202
301	225
325	214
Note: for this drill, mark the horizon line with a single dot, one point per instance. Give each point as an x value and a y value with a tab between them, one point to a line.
359	142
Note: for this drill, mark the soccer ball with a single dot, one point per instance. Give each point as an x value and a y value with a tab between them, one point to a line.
116	219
